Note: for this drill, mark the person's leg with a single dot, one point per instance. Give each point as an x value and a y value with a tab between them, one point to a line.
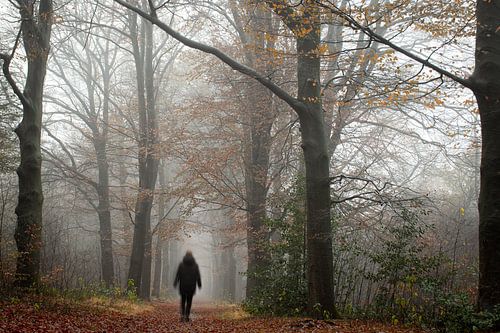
188	305
183	306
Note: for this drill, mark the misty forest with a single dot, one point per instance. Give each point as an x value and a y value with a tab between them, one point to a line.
333	165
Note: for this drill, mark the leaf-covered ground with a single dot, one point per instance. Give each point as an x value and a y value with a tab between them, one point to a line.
105	316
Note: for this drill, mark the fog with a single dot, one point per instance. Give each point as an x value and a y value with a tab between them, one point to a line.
151	148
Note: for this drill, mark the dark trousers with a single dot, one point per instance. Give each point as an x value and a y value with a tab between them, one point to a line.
186	300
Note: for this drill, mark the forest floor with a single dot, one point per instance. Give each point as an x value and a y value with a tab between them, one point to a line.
101	315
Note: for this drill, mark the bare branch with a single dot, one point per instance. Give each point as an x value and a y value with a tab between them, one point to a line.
295	104
380	39
6	72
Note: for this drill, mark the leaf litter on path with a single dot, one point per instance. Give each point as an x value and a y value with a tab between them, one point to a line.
92	316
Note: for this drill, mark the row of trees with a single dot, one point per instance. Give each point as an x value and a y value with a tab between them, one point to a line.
339	83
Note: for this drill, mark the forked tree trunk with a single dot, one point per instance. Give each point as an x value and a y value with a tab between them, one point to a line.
147	157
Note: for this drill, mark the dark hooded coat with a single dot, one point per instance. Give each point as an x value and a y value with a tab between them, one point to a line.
188	275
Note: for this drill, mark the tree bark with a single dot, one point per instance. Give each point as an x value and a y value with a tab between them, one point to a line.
36	37
315	146
487	77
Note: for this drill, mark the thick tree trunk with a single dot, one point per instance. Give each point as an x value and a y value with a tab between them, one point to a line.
36	37
30	200
487	77
314	143
142	220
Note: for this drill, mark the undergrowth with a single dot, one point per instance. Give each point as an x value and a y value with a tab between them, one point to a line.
95	296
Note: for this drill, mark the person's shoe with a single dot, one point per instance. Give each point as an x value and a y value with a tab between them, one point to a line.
187	319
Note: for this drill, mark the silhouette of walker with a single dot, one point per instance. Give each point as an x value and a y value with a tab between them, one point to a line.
188	275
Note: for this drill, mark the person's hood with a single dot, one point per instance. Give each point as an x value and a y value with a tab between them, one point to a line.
188	260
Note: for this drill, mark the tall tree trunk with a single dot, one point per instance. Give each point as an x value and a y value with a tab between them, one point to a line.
487	77
315	147
139	236
36	37
260	116
257	166
100	138
147	156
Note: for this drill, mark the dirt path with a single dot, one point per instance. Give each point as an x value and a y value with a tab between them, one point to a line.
162	317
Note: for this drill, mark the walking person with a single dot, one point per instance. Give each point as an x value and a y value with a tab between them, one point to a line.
188	276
